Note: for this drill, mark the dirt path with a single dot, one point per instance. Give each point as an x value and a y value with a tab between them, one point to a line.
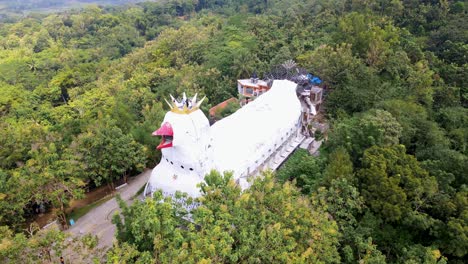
98	220
90	197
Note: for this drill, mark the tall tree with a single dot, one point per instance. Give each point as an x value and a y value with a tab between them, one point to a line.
304	169
394	184
268	222
47	246
108	154
356	134
54	177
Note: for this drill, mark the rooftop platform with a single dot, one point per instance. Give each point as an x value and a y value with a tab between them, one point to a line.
252	83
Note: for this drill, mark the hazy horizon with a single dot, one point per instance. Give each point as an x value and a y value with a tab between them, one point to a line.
21	6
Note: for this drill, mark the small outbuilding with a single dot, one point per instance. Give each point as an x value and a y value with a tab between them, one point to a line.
252	87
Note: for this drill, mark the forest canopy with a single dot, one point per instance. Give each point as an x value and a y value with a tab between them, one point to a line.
81	92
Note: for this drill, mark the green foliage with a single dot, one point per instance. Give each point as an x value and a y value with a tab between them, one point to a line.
47	170
338	167
455	122
344	203
304	169
46	246
455	237
370	37
153	116
411	117
318	135
229	109
107	154
12	199
80	90
393	183
269	222
54	178
372	128
126	253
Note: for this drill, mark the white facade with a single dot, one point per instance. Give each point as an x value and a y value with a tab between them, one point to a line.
239	143
252	87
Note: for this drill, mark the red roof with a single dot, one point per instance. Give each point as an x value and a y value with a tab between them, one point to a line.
222	105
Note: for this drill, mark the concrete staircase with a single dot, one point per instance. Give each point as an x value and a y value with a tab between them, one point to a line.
283	153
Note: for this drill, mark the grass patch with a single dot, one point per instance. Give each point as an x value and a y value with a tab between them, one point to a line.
79	212
140	191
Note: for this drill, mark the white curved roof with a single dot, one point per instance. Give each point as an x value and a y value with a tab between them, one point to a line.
245	137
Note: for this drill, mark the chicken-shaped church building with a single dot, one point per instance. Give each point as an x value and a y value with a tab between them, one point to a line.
258	136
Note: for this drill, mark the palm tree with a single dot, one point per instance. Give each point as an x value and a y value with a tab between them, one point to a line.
244	64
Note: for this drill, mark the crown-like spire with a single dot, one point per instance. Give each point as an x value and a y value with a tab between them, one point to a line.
184	106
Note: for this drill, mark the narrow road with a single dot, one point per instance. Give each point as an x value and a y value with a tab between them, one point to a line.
98	220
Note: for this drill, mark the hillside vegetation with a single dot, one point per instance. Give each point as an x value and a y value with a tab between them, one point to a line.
15	7
81	92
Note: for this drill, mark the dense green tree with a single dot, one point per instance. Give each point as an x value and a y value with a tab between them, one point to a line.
356	134
454	238
345	204
268	222
107	154
393	183
338	167
13	199
153	117
370	38
394	72
355	87
54	177
455	122
46	246
304	169
413	119
404	199
16	141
